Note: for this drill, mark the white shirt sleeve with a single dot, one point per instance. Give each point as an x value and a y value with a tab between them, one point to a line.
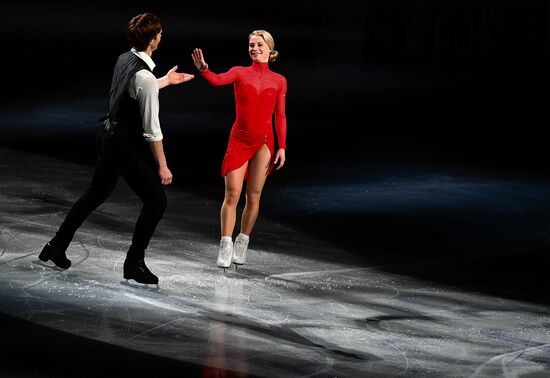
144	88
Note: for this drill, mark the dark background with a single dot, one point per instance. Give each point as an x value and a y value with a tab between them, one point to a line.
453	80
438	84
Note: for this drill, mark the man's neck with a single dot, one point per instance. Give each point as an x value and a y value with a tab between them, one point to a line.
148	51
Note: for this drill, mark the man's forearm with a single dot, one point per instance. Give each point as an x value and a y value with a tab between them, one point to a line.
158	153
163	82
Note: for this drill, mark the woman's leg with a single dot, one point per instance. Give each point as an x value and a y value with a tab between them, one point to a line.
228	214
233	188
257	173
258	167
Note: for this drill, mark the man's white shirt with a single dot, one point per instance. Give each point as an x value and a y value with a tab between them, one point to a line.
144	88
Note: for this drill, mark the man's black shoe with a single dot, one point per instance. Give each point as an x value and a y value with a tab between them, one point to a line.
51	252
137	270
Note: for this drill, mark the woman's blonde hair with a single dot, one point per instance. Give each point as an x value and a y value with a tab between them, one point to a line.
268	38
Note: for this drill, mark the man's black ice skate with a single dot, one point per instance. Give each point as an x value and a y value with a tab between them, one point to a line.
138	271
54	253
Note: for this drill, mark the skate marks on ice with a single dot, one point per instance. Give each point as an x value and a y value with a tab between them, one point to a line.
339	320
282	314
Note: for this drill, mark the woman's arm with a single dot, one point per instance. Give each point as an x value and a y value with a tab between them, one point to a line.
280	125
213	78
280	115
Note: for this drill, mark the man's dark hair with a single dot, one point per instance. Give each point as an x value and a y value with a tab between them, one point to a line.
142	29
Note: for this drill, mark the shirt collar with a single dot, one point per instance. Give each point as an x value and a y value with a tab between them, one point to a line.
146	58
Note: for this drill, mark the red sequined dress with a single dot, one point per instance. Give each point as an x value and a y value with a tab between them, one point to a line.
259	94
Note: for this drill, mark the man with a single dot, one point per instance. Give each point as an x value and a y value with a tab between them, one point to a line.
129	145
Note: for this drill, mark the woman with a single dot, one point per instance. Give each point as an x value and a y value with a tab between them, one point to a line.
250	154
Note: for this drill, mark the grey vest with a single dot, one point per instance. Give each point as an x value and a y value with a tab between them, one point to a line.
124	114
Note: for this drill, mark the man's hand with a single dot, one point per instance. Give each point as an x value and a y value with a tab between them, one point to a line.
165	176
173	77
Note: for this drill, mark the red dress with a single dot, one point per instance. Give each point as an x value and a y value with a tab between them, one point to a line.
259	93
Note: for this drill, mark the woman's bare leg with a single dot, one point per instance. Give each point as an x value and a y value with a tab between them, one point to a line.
258	167
233	188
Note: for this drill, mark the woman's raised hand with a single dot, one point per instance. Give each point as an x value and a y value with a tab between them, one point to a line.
198	60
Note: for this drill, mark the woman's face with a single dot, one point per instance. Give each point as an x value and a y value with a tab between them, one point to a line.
258	49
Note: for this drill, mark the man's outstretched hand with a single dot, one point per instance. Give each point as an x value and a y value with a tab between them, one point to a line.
173	77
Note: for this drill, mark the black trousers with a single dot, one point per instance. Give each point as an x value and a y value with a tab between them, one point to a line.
129	157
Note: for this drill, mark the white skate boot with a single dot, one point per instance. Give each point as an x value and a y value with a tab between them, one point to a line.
240	246
225	253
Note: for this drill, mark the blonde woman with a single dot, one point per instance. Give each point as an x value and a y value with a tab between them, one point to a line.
250	155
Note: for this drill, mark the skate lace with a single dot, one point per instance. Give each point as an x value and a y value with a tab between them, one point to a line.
142	267
240	246
226	248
